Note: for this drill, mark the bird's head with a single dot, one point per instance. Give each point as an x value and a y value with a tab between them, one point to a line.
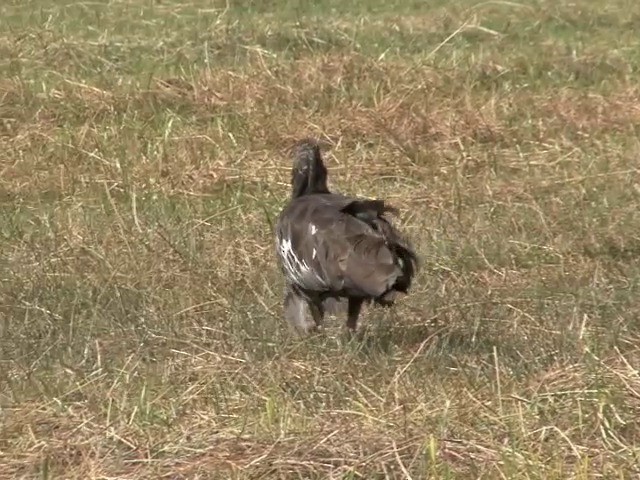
308	175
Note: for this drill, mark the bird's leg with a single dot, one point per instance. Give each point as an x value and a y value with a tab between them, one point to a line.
297	313
355	304
317	311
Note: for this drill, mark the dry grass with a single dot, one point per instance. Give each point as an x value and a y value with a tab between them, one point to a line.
142	163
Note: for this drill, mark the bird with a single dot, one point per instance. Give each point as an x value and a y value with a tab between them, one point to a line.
335	249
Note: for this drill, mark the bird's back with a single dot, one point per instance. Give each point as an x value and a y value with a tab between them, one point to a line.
334	243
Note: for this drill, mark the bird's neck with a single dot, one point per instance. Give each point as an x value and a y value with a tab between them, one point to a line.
306	185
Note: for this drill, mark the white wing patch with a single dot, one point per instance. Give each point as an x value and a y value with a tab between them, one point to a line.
313	229
296	269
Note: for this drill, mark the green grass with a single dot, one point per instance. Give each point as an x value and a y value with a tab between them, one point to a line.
142	162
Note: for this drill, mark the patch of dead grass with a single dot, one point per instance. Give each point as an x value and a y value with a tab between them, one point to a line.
403	112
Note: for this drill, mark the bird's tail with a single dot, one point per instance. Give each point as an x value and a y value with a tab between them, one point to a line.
406	259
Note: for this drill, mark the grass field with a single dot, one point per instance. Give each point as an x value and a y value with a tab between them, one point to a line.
142	164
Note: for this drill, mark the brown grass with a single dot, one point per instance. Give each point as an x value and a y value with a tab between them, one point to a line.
143	161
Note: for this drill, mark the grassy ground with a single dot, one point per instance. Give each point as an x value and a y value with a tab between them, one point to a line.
142	161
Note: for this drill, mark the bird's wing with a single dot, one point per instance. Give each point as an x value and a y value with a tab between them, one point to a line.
362	257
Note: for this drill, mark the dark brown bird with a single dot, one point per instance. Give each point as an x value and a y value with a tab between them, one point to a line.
333	247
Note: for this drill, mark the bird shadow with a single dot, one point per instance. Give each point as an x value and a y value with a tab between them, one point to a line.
380	338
